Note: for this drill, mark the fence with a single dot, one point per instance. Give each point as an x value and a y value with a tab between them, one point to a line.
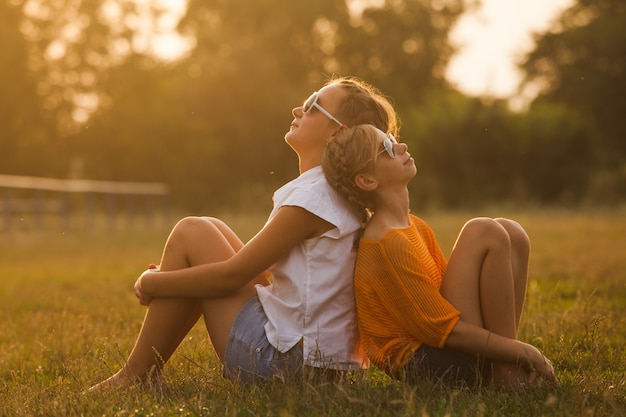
34	201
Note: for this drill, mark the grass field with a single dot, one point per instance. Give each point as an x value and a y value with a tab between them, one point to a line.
68	318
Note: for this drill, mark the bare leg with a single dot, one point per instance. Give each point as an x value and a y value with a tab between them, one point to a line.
193	241
520	254
483	281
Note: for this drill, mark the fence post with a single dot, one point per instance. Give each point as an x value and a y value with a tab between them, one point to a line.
90	210
109	200
38	208
6	208
66	211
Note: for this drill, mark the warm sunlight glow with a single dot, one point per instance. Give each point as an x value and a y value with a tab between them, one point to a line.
166	43
493	39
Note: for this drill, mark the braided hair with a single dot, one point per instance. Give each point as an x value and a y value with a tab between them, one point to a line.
353	151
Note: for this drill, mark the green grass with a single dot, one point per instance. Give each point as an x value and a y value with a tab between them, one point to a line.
68	318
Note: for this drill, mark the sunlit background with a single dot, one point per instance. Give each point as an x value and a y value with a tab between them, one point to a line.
502	102
493	39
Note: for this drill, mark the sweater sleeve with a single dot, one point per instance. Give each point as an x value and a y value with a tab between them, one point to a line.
406	282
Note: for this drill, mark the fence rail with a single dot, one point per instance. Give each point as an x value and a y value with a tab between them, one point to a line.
83	186
71	200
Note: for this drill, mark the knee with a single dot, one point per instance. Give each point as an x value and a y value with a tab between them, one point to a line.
190	222
215	222
192	225
487	230
517	235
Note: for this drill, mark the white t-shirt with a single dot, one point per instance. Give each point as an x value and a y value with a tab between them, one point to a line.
312	294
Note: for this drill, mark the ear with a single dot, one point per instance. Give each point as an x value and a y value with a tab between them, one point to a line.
366	182
336	131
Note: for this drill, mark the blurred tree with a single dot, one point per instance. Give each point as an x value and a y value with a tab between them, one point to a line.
556	153
401	46
145	133
465	150
215	119
254	61
582	65
72	47
22	124
472	153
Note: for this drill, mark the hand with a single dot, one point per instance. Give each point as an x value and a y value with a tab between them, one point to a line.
144	299
545	371
541	368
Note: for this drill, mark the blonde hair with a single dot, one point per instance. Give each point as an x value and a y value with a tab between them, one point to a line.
353	151
355	148
365	104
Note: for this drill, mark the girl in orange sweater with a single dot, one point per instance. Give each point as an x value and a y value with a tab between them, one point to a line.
420	315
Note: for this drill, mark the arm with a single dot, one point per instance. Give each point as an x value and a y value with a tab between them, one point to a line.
476	340
286	229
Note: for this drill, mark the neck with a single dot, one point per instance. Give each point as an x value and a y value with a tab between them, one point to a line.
392	207
305	164
305	167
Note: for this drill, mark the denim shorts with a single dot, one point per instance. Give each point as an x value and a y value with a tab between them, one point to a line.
249	355
447	365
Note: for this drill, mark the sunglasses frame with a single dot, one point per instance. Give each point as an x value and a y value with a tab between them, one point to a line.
308	105
388	143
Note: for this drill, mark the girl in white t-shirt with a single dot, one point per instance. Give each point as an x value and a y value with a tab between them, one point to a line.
284	300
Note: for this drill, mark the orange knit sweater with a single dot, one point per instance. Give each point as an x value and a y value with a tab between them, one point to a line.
397	281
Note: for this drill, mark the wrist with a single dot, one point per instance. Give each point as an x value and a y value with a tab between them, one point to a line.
145	283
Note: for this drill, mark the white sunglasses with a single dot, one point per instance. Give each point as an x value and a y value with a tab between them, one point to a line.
388	143
312	102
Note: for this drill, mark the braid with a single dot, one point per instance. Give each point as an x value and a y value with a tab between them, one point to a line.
352	151
348	155
340	178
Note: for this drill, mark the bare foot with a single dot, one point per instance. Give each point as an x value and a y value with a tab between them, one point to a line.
509	376
123	379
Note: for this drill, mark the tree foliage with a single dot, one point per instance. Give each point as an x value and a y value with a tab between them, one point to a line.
84	95
22	123
402	46
582	65
472	153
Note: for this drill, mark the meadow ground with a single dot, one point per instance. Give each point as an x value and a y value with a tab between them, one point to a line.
68	318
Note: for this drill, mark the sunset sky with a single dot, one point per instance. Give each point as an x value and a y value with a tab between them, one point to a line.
493	38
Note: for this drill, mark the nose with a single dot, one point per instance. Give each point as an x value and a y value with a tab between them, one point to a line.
400	148
297	111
